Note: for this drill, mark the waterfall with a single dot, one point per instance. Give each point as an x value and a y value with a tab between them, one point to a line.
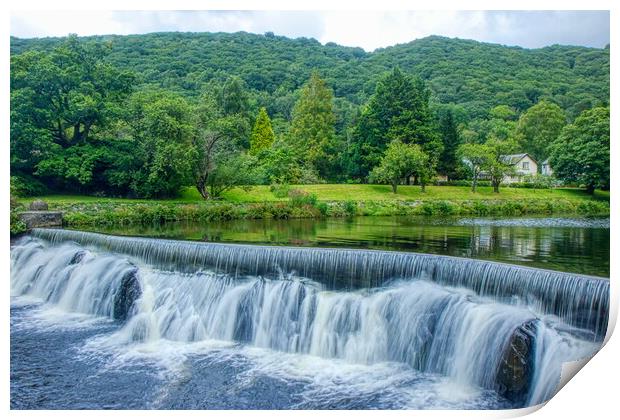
489	325
582	301
64	276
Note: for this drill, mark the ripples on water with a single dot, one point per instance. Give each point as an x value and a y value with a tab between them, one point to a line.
547	222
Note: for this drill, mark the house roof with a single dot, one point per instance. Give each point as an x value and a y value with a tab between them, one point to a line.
513	159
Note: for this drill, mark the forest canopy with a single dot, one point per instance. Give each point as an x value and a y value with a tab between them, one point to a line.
141	115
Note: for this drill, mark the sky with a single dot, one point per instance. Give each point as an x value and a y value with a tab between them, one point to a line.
366	29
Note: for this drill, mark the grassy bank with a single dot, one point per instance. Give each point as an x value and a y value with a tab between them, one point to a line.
354	192
314	201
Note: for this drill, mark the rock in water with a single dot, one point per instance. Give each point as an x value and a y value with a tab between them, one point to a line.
516	369
127	295
38	205
78	257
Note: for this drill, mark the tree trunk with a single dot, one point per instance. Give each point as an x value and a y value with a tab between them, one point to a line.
473	184
76	133
394	186
496	187
590	189
202	189
423	186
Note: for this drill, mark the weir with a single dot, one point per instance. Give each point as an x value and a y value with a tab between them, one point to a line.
494	326
581	301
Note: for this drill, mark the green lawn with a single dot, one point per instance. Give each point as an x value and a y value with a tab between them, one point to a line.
364	192
356	192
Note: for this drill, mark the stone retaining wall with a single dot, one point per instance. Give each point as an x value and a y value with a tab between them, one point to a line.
35	219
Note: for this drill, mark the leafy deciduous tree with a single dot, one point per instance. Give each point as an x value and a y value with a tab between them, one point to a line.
538	128
477	157
58	99
400	161
581	152
163	131
221	162
499	167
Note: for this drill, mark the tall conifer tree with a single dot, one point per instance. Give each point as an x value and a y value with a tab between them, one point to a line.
262	133
312	129
398	110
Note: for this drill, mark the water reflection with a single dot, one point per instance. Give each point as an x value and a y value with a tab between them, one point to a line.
575	245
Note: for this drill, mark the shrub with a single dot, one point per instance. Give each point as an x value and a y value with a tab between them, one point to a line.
17	225
538	182
281	211
280	190
26	186
323	208
305	211
308	176
444	208
225	211
481	209
592	207
258	211
427	209
300	198
14	204
350	207
462	183
513	208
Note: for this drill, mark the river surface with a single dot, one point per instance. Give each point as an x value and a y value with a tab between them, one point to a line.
577	245
204	339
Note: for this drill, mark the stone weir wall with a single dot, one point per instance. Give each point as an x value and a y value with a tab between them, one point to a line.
39	216
581	301
39	219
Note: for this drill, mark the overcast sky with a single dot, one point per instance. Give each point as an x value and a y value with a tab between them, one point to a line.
366	29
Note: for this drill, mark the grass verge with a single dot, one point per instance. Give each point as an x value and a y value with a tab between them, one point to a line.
315	201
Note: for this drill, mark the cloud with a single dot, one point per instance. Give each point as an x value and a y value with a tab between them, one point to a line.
366	29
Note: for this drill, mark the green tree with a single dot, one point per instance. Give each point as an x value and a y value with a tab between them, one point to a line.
58	100
262	133
581	153
499	167
448	160
312	128
400	161
477	158
398	109
503	112
538	128
163	131
234	99
279	165
232	170
219	165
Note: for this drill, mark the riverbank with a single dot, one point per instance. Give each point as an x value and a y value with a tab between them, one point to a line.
318	201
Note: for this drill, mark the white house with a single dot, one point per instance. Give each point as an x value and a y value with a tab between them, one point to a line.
523	164
545	168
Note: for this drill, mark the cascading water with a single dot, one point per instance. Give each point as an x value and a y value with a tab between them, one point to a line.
491	326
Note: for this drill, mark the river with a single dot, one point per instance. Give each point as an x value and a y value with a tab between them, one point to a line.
105	321
578	245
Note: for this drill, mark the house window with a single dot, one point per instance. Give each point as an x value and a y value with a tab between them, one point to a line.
526	166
